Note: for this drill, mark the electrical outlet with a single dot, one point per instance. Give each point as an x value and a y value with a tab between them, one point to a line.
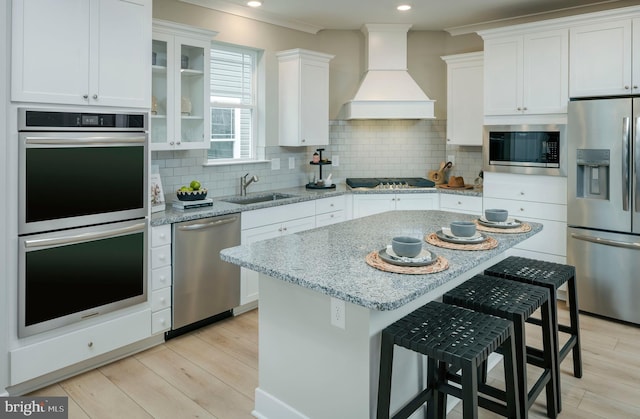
292	162
452	159
275	163
335	161
338	313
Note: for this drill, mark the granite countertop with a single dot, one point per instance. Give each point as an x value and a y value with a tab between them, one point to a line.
301	194
331	260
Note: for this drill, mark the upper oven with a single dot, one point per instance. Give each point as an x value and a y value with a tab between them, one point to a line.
80	168
527	149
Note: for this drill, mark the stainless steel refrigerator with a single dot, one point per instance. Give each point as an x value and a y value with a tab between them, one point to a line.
603	217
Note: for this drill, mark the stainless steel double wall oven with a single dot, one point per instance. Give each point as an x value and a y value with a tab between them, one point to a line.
83	205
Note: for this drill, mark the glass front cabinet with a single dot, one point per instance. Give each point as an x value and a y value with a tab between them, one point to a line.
180	111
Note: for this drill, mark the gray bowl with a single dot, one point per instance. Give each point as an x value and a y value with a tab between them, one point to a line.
406	246
496	215
463	228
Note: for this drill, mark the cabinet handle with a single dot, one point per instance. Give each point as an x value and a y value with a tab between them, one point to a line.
90	344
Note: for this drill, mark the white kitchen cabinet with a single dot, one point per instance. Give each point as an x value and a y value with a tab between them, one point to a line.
526	74
465	85
81	52
161	278
369	204
541	199
602	58
180	98
268	223
330	210
303	85
52	354
461	203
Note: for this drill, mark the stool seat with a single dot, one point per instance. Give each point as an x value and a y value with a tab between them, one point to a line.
550	275
452	338
517	302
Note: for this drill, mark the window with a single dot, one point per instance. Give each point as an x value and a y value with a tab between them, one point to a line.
233	103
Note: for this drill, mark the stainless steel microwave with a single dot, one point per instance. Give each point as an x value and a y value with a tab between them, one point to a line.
526	149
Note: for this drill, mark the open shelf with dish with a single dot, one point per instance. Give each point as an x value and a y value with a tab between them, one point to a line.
321	182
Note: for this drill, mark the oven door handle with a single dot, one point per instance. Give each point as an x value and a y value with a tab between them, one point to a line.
79	238
607	242
90	140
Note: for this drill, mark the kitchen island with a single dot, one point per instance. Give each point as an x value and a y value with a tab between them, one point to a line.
322	308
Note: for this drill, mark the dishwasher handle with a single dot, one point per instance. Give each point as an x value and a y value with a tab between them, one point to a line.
210	224
607	242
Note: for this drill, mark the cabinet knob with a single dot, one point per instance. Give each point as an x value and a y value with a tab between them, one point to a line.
178	142
95	96
284	228
459	203
521	209
524	109
162	257
331	205
626	87
162	321
162	235
162	300
522	193
171	143
635	86
90	344
304	141
518	108
163	279
85	96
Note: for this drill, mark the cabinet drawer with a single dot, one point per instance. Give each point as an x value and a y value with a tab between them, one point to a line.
62	351
330	218
461	203
552	239
160	321
161	277
161	235
278	214
161	299
548	189
534	210
160	256
334	203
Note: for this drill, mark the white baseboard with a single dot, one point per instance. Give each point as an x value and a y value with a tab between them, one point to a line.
268	407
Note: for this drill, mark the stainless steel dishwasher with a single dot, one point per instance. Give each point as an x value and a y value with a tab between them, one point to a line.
205	288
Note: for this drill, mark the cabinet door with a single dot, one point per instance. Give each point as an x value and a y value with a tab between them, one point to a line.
411	201
249	278
600	59
50	51
465	98
120	53
545	80
503	76
314	103
369	204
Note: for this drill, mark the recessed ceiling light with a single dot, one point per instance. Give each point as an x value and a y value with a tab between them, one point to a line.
254	3
404	7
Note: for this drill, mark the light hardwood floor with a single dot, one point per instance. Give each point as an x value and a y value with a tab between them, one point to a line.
212	373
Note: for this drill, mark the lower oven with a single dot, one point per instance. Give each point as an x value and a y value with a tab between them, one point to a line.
71	275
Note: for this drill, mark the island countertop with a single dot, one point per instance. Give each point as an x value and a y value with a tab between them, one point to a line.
331	260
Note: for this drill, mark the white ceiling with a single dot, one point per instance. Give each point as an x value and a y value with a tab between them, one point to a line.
456	16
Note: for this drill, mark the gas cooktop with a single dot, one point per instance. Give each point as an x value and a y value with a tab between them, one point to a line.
389	182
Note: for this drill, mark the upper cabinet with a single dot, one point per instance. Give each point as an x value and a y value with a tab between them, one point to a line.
602	60
526	73
180	93
464	98
81	52
303	97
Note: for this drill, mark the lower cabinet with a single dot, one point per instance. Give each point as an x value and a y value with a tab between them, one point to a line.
541	199
330	210
461	203
32	361
374	203
161	278
268	223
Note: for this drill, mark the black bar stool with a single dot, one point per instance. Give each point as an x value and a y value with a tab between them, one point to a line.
516	302
452	338
552	276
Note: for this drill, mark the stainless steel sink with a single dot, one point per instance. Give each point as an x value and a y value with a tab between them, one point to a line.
244	200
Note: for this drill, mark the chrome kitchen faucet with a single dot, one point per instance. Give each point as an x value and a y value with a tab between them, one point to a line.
244	183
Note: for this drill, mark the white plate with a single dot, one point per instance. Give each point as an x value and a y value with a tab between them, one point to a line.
510	223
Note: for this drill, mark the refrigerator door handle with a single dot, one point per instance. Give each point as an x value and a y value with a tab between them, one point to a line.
607	242
626	133
636	147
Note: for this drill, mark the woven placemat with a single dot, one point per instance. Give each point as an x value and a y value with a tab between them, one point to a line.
373	259
433	239
522	228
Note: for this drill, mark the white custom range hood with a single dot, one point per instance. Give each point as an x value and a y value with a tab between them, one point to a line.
387	91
